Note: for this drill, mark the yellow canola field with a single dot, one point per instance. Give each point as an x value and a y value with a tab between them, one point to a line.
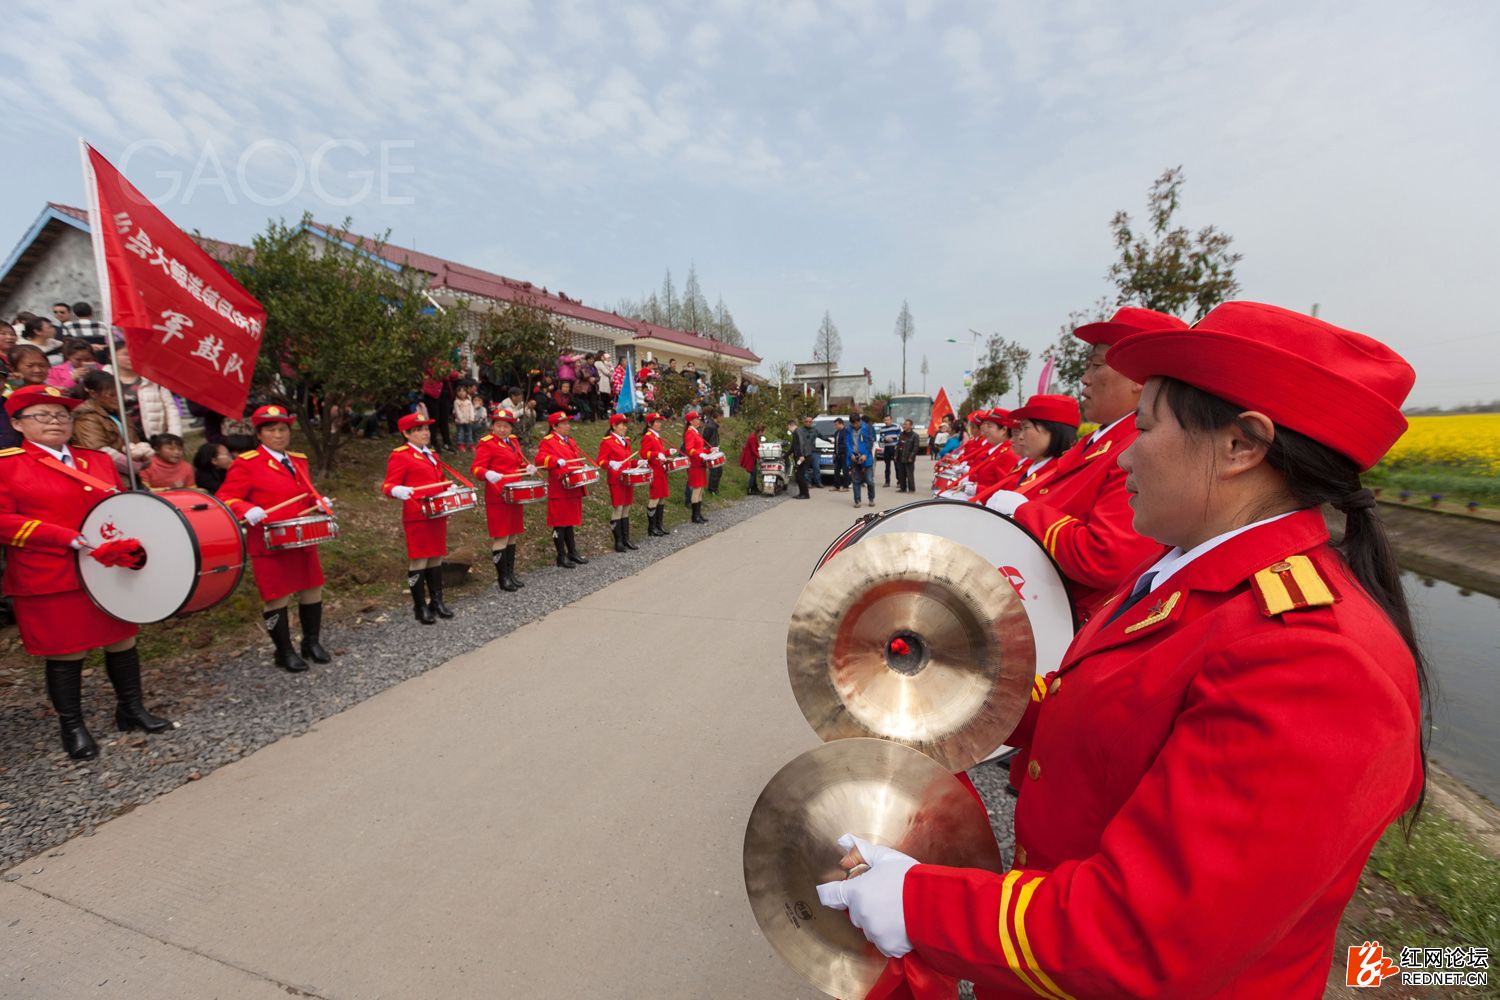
1468	441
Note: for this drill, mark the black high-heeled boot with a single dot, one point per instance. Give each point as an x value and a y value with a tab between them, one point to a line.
124	670
650	522
572	542
625	533
497	556
278	626
618	534
311	618
510	566
416	579
698	517
559	542
435	592
65	690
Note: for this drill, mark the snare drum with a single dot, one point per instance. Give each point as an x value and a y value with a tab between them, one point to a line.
449	502
713	460
678	463
635	476
1006	545
300	532
581	477
195	554
523	491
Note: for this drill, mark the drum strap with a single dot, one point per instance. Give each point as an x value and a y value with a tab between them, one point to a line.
456	474
78	474
306	483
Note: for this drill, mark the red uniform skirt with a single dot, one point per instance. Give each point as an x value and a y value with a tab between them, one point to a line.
427	538
278	574
504	519
697	476
565	512
620	495
64	623
659	488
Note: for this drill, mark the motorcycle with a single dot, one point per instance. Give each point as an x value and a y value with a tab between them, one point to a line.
770	467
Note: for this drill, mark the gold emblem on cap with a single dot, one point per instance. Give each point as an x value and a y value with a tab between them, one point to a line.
273	411
52	391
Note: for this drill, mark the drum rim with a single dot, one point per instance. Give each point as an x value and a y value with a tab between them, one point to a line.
863	523
197	551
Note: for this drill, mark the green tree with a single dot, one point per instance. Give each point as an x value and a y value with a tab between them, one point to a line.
342	329
1168	268
524	333
1017	357
906	329
991	380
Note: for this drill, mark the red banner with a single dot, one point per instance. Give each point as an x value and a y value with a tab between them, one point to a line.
188	324
940	409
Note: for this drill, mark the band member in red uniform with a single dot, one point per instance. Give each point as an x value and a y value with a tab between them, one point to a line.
498	459
616	454
1081	515
46	488
411	467
1257	694
656	451
695	448
992	456
1047	426
272	484
557	453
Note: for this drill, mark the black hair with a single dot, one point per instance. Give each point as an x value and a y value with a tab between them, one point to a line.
237	443
19	351
82	310
157	440
1060	437
203	458
1315	475
35	324
74	344
96	381
63	304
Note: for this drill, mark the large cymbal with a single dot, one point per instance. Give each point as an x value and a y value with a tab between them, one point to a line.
874	789
914	638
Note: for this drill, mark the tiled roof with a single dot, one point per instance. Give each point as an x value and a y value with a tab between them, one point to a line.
80	214
217	249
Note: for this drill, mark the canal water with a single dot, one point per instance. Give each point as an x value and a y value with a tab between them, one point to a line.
1460	633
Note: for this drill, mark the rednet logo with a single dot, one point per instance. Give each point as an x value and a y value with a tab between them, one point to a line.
1368	965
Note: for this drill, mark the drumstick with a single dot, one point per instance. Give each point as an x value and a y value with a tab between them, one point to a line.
271	510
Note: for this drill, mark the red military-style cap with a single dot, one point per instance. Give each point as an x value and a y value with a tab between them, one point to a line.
1340	388
412	421
1048	406
652	418
498	412
616	419
272	414
692	415
553	419
36	395
977	416
999	415
1130	319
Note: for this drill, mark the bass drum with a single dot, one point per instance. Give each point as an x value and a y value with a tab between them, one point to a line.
1004	544
195	554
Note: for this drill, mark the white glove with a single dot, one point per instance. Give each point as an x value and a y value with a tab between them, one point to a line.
492	476
1006	501
328	501
254	516
401	492
672	452
875	899
640	463
615	466
970	489
531	470
80	542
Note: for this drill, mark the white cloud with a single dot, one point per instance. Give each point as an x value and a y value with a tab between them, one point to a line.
646	32
964	51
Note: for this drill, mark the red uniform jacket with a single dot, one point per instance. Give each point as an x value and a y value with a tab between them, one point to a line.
40	511
615	448
1209	773
694	447
990	465
558	454
409	467
1083	519
255	479
492	454
655	451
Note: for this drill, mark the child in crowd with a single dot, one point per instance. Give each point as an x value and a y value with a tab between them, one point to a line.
464	416
167	470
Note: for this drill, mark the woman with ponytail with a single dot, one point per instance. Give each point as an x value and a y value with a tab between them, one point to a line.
1228	737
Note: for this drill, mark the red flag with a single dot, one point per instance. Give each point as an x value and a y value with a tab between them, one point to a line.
188	324
940	409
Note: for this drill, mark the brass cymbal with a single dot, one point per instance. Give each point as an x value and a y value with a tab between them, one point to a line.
914	638
874	789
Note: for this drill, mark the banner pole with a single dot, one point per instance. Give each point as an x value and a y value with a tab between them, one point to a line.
96	236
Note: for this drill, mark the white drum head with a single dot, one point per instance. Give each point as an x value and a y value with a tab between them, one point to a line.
159	589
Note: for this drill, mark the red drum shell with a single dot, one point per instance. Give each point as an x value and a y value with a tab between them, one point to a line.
299	532
199	554
449	502
713	461
523	491
678	463
576	478
635	476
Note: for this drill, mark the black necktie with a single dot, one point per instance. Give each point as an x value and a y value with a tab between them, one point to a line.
1142	588
286	463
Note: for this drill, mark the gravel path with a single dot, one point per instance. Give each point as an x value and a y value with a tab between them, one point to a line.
45	798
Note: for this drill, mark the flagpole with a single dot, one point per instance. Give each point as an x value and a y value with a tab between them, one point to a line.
96	236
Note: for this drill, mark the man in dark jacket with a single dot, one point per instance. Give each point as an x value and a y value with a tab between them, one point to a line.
840	455
804	455
710	430
906	459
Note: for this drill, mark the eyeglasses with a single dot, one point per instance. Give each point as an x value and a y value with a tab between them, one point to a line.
47	418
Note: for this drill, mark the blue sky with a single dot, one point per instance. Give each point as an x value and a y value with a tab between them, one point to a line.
810	155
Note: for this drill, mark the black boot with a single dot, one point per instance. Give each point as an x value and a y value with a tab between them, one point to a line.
618	534
559	542
698	517
510	566
416	579
278	626
65	689
625	533
311	617
124	669
435	592
573	547
502	576
651	531
661	516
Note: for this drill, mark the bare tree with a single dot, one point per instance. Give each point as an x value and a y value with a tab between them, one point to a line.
695	312
925	370
827	346
1017	357
906	329
671	306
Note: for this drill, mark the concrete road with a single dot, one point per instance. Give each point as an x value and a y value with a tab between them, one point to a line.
556	814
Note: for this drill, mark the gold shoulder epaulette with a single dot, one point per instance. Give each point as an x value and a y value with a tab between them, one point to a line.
249	454
9	451
296	454
488	437
1290	584
399	448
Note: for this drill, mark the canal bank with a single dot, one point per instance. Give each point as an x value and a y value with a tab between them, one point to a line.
1450	545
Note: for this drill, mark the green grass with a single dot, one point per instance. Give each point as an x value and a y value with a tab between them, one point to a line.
1443	867
1453	485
